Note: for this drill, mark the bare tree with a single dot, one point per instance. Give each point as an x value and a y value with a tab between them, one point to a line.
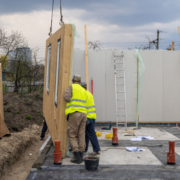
36	72
96	45
25	72
10	42
149	45
169	48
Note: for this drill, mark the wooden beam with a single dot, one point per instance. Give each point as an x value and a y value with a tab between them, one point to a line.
3	128
172	46
179	29
86	57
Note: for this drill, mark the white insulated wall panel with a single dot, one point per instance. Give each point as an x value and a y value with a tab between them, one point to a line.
110	112
151	100
131	84
97	72
96	67
171	86
101	69
79	65
160	99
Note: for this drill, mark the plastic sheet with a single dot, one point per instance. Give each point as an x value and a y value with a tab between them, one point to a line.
76	34
141	69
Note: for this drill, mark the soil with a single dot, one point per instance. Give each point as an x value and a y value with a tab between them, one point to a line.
21	111
23	117
15	153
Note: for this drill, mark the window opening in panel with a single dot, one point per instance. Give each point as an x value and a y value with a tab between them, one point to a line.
57	72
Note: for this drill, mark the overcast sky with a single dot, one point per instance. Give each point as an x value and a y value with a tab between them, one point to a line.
117	24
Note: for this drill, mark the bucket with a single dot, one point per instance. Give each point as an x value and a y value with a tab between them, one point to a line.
91	163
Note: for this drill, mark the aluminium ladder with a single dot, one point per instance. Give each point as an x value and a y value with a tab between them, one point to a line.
122	88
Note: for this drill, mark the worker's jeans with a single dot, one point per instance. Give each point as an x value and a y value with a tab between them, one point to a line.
91	135
44	129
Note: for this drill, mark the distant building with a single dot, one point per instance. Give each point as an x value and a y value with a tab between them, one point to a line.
19	54
24	53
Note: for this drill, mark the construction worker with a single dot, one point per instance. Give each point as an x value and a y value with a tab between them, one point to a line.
76	111
90	130
44	129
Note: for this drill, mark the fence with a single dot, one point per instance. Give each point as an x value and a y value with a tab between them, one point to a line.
22	89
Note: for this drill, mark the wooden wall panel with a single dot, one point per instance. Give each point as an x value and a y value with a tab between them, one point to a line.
3	128
55	116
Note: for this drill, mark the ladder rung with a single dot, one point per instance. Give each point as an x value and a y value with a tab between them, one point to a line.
120	92
118	63
120	100
120	85
121	115
120	108
119	77
121	123
119	56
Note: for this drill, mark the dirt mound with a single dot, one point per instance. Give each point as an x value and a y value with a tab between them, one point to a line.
21	111
11	148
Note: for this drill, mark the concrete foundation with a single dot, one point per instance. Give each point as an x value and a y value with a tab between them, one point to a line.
117	163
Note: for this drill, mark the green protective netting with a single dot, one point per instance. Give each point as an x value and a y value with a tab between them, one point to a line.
76	34
141	69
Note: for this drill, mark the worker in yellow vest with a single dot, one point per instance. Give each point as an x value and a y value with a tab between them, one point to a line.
76	98
91	115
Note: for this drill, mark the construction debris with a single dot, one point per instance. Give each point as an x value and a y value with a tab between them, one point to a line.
134	149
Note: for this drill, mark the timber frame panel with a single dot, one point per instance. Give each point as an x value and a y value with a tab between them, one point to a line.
3	128
55	113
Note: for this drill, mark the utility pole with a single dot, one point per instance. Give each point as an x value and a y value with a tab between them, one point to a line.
157	39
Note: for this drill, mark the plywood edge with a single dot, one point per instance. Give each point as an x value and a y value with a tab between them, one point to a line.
67	73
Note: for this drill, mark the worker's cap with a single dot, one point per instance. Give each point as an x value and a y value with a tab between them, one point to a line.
83	84
77	77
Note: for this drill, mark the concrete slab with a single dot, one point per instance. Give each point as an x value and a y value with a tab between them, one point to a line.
117	163
119	156
177	150
158	134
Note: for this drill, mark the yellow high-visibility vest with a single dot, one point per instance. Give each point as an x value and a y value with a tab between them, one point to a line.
91	111
78	100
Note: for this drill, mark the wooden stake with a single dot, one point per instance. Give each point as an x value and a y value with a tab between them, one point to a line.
86	57
179	29
3	128
0	125
172	46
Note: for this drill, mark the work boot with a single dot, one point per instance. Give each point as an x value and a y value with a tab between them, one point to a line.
77	158
81	156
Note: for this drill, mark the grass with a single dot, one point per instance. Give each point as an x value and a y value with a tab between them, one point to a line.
17	112
28	117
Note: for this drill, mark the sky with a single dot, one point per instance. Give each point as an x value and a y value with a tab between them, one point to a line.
116	24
